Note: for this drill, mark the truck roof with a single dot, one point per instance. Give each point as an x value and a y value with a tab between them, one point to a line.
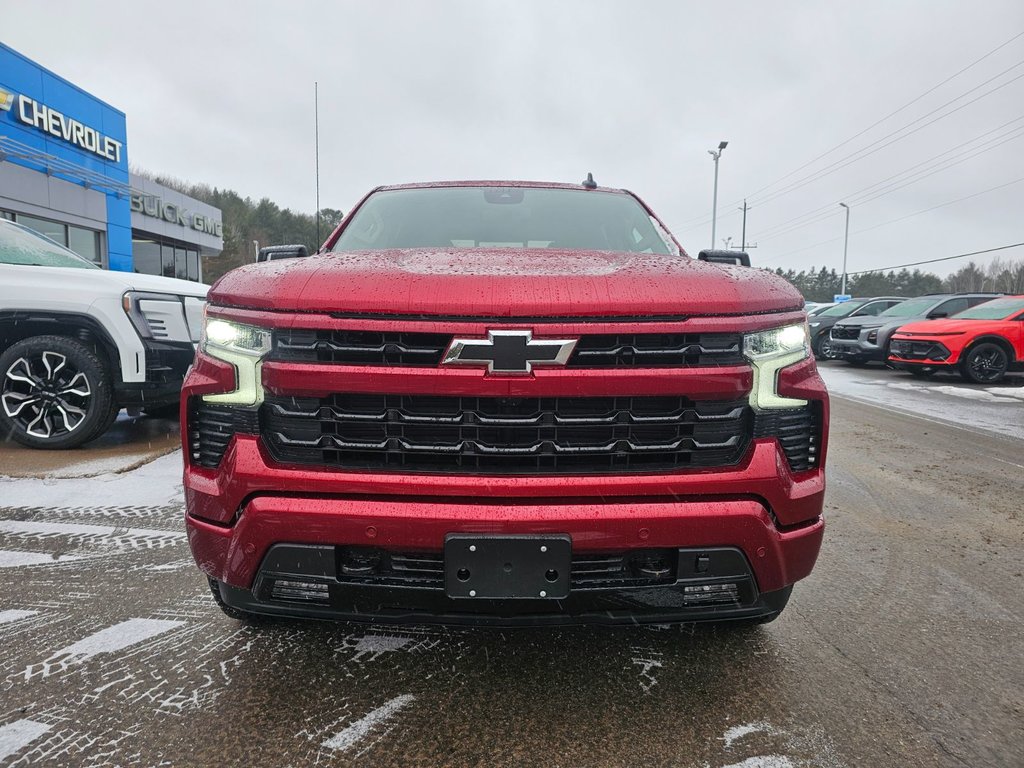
500	183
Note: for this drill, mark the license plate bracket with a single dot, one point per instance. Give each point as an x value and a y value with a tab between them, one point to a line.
507	567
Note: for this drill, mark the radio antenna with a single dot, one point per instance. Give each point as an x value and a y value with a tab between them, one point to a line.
316	150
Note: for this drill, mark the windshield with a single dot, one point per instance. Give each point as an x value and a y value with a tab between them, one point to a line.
842	309
997	309
21	245
911	307
502	217
819	310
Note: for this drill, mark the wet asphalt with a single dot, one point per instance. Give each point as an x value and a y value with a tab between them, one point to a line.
903	648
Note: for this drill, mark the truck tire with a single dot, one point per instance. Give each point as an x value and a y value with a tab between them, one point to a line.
55	393
823	349
985	363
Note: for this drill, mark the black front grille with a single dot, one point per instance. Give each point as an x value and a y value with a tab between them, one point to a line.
639	568
650	350
405	349
918	350
360	347
798	431
211	427
553	435
846	332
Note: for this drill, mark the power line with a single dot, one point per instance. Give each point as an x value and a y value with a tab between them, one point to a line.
703	219
901	218
934	261
852	196
892	114
861	153
857	198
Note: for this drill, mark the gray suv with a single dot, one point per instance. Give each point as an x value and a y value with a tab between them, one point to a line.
821	323
859	340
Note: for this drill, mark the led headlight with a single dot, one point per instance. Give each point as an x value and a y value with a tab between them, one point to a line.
244	347
769	352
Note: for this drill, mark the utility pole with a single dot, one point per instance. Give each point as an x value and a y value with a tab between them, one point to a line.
714	202
846	242
743	239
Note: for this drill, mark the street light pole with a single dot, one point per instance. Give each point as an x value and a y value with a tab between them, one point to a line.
743	238
714	203
846	243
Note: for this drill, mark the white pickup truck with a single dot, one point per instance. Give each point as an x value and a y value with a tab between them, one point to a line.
79	343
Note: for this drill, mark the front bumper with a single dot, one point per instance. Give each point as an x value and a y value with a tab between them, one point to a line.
248	560
245	503
858	350
921	351
167	363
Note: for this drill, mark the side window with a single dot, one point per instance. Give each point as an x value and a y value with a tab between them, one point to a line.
951	307
973	301
873	308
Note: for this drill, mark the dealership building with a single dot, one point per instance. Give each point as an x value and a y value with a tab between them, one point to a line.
64	172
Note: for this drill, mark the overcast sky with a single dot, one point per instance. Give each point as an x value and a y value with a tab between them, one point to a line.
635	92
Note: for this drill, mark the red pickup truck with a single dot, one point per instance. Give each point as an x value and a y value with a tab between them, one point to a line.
504	403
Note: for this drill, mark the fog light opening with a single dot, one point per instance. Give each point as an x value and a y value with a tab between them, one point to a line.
303	591
712	593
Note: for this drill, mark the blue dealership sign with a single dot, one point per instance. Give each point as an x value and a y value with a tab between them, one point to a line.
46	114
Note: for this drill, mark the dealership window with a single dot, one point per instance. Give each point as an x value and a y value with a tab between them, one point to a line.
146	257
52	229
84	242
170	258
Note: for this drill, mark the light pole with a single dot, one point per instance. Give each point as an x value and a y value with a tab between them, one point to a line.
846	242
714	203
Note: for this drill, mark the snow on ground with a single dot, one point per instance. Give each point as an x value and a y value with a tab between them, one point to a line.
156	484
994	409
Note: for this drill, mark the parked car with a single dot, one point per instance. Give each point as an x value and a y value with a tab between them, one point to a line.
817	309
982	343
504	403
821	324
861	340
78	343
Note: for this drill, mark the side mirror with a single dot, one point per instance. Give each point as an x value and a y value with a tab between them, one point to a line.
736	258
275	252
937	315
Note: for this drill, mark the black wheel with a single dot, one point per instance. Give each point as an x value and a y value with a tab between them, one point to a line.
985	363
824	349
55	392
922	371
234	613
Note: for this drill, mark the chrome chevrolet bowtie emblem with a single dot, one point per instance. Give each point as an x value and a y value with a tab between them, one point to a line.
509	351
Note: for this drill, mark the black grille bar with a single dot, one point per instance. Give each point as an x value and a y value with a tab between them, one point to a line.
798	431
639	568
413	349
427	433
846	332
211	427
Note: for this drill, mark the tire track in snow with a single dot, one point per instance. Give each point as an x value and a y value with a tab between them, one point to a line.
373	722
106	641
15	736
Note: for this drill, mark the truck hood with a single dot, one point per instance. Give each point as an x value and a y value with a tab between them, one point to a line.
930	327
98	281
504	282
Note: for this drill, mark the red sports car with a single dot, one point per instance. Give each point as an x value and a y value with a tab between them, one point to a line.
983	342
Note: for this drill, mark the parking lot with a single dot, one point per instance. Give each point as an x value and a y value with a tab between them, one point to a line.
902	648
